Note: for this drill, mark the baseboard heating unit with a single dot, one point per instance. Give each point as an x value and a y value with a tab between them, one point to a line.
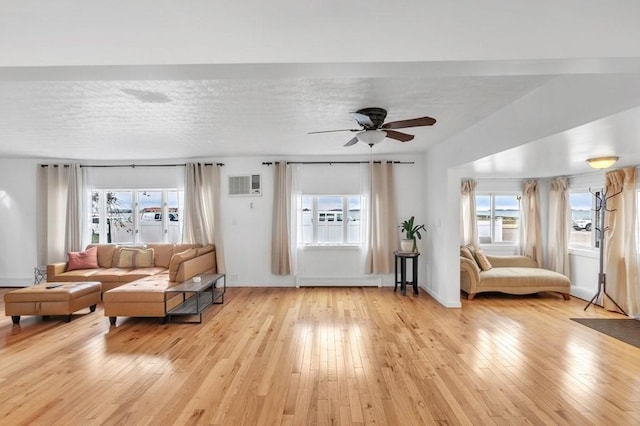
361	281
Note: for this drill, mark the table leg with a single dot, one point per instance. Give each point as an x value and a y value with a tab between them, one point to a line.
415	275
396	275
403	276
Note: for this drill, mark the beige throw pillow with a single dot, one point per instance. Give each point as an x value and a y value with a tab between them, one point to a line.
135	258
482	260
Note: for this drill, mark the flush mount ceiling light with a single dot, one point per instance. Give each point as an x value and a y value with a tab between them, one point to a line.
372	137
602	162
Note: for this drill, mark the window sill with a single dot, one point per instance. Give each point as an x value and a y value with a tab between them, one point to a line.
330	247
584	252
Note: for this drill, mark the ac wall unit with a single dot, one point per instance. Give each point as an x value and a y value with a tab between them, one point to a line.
245	185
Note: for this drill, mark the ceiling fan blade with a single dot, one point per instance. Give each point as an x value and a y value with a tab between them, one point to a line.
352	141
399	136
362	119
333	131
416	122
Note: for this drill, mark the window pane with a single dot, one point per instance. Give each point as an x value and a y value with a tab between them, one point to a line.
353	220
506	218
306	224
119	217
150	216
581	219
174	201
483	215
329	229
95	217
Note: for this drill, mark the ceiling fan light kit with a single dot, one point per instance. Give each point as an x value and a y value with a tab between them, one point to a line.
371	137
602	162
373	128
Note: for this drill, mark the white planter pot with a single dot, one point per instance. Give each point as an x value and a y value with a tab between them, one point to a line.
406	245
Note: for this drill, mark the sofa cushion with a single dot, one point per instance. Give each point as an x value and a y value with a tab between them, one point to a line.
482	260
162	253
109	275
77	275
465	252
136	274
177	259
144	290
87	259
530	279
105	254
205	249
135	258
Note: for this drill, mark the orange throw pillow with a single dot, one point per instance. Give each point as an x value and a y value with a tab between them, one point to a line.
87	259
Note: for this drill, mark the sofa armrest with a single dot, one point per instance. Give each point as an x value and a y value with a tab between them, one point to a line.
203	264
469	276
55	269
512	261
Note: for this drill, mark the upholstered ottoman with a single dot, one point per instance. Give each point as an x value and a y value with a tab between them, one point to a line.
52	299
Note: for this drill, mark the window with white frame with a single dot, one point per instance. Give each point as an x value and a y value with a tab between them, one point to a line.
329	220
136	216
498	217
584	219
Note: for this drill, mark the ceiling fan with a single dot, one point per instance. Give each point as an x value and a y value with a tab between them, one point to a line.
374	129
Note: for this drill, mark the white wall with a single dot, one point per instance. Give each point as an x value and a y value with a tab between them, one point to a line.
17	221
246	220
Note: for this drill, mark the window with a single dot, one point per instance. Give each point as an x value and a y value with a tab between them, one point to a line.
583	220
136	217
329	220
498	217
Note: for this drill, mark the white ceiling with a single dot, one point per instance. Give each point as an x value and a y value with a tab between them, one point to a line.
113	81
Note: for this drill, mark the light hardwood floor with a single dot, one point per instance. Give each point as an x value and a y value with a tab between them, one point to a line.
273	356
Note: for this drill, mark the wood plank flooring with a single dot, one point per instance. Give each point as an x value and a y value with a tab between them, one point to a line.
348	356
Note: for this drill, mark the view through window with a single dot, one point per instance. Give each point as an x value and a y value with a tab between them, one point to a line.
582	220
136	217
498	217
329	220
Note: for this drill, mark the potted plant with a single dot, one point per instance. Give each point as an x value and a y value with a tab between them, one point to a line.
412	231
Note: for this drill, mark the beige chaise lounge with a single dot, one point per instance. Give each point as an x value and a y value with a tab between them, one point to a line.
508	274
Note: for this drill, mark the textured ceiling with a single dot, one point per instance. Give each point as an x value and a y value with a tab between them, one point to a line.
168	119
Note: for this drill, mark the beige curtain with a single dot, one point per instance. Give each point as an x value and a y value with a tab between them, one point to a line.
76	222
383	225
202	215
559	226
280	239
621	256
468	220
530	233
54	186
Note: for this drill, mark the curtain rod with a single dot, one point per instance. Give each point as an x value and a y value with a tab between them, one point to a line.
133	166
268	163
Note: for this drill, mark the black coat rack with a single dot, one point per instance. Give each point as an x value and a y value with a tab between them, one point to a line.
601	208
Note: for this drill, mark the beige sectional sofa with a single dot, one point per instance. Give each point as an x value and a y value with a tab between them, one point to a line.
140	292
507	274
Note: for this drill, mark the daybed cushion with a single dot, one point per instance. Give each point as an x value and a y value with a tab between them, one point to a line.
525	280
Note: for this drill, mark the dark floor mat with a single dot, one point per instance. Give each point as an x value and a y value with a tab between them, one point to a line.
627	330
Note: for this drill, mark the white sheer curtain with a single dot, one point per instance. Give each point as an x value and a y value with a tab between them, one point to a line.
281	236
559	225
383	226
621	255
468	220
531	235
202	216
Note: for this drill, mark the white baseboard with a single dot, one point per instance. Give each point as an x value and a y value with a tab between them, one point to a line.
360	281
446	303
582	293
16	282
